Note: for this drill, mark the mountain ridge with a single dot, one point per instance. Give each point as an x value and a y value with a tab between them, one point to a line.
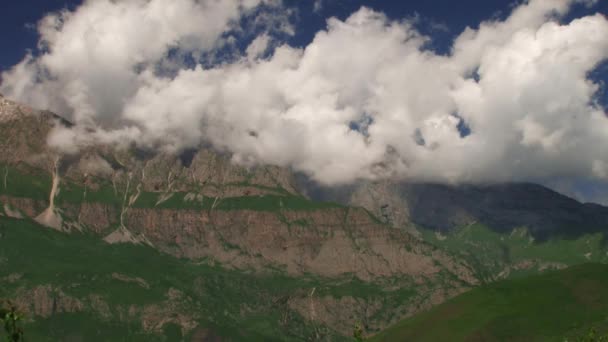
211	210
502	207
202	208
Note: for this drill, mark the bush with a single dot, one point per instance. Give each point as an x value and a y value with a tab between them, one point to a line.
10	319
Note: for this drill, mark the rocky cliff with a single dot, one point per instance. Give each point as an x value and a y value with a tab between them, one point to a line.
200	206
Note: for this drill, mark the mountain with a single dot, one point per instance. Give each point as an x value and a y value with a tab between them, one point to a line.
501	230
554	306
110	241
500	207
149	223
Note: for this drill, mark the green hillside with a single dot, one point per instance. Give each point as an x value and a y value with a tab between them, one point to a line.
24	181
120	288
497	256
76	287
548	307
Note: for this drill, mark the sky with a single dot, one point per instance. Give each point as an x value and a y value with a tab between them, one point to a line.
448	18
341	90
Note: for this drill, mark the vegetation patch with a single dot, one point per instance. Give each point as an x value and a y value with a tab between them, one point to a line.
495	255
546	307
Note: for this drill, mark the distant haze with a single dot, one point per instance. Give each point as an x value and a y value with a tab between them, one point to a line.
364	100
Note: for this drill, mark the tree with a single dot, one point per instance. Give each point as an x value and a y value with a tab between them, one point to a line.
591	336
10	319
358	332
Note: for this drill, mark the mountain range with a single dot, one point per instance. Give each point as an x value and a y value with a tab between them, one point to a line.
112	242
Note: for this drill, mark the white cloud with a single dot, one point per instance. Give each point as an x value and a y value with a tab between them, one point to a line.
599	169
530	111
258	47
92	54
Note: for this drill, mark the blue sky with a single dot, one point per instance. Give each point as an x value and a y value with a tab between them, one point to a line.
330	121
441	19
18	34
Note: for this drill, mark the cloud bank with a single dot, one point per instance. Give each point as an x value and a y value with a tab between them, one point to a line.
364	100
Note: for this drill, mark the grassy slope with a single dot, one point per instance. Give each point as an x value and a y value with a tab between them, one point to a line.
27	182
81	259
545	307
491	252
81	265
233	303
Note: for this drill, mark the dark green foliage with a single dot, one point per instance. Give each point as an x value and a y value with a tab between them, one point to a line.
24	181
85	326
358	332
545	307
11	320
591	336
173	332
75	194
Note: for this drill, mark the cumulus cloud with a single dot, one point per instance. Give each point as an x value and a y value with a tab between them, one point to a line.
258	47
365	99
91	58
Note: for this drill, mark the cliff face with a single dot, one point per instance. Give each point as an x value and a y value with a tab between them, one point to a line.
202	207
330	242
25	130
